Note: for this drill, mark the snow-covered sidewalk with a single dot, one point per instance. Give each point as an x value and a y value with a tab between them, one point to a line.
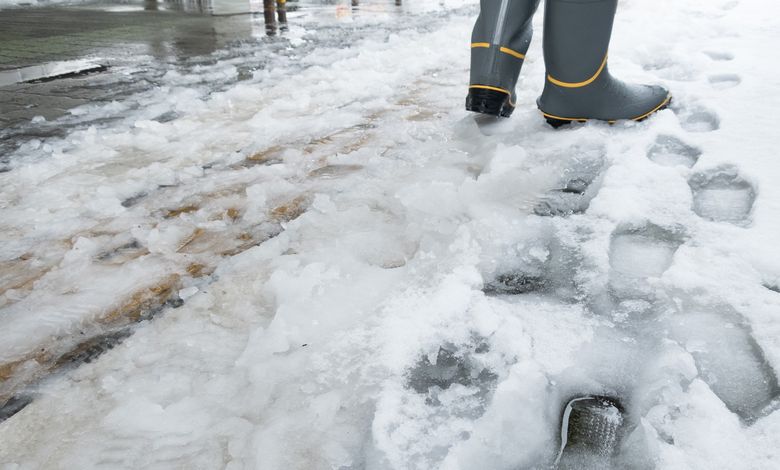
372	280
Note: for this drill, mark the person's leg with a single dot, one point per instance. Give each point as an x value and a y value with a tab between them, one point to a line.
578	85
499	42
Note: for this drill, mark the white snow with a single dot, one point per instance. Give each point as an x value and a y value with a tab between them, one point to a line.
352	213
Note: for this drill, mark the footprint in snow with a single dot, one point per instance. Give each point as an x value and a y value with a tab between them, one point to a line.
668	150
451	366
591	431
719	56
643	252
728	359
578	187
724	81
722	195
698	119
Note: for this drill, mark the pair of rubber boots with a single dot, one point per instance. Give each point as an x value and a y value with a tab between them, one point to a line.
578	86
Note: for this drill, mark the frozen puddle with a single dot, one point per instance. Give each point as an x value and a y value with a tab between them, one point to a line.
721	195
671	151
728	359
643	252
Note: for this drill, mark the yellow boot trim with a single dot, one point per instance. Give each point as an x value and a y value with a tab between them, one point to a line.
509	51
494	88
579	84
665	102
503	49
612	121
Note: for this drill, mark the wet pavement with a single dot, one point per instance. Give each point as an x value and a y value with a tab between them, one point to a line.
53	59
72	67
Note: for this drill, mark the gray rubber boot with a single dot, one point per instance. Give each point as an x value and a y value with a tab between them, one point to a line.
499	43
578	86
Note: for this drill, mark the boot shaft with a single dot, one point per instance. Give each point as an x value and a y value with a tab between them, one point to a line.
505	23
576	39
499	42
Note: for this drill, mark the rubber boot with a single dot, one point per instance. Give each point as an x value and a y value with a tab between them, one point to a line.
578	86
499	43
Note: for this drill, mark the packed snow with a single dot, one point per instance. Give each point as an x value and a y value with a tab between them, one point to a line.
350	272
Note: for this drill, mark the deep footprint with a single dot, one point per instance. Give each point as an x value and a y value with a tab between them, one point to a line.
643	252
577	189
721	195
451	367
668	150
591	430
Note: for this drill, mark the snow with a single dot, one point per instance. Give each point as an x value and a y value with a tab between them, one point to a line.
349	218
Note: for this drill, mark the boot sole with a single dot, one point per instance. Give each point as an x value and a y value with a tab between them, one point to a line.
490	102
557	121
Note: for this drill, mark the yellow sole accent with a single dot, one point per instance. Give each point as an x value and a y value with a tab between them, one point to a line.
494	88
509	51
638	118
480	44
666	102
579	84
